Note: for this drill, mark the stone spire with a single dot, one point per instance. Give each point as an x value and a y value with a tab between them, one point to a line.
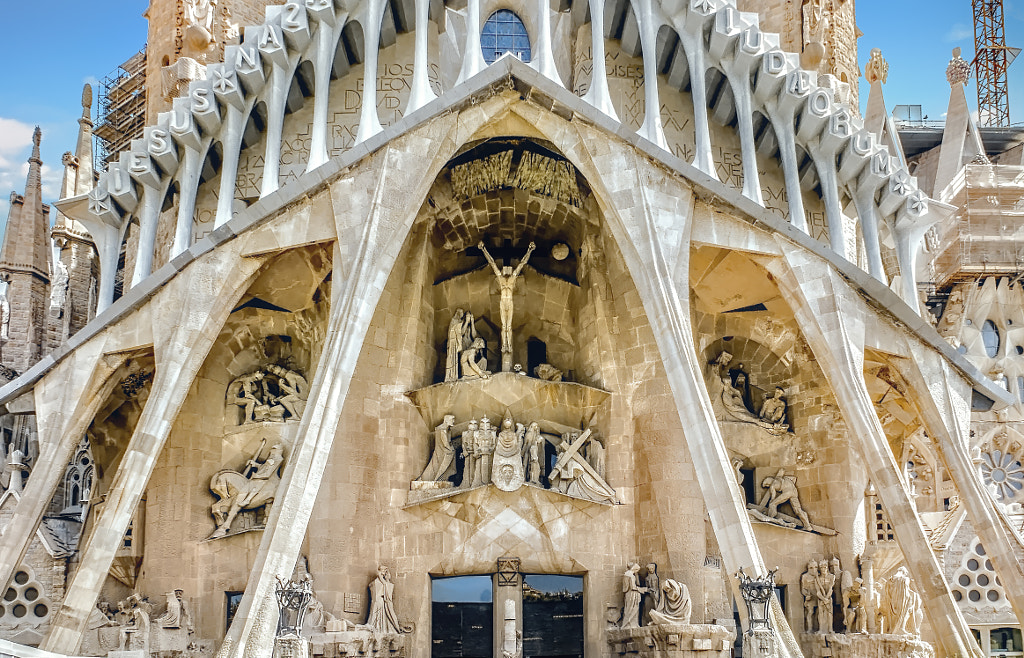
961	141
72	305
877	118
25	267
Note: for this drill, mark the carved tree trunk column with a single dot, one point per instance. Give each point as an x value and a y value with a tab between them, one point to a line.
597	95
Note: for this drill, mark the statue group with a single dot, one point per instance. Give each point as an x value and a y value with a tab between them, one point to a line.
513	454
252	487
273	393
827	588
732	398
132	627
659	603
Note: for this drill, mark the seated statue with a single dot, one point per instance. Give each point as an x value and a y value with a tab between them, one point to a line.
773	410
244	392
729	401
249	489
676	606
473	361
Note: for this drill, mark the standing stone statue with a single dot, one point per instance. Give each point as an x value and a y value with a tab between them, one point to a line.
506	283
808	586
486	438
507	471
442	462
824	584
455	346
473	360
855	609
676	606
844	581
533	453
5	316
469	455
632	595
900	605
58	288
382	617
773	410
653	601
135	627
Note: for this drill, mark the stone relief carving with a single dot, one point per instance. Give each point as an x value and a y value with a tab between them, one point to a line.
133	627
506	284
442	462
827	587
253	487
507	470
273	393
473	360
198	38
575	476
731	398
178	614
780	489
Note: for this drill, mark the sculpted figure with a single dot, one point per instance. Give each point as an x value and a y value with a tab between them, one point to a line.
294	390
506	283
58	288
469	470
198	36
242	392
676	607
900	605
653	598
844	582
782	489
632	594
774	408
14	472
178	614
486	438
548	372
855	610
533	447
252	488
473	360
808	588
596	455
823	586
382	617
455	346
507	472
442	462
730	401
136	627
573	475
5	316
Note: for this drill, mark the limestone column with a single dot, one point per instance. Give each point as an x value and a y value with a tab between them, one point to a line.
597	95
943	399
152	199
207	289
279	82
420	93
691	35
647	17
653	233
543	58
369	122
327	35
472	55
831	318
67	399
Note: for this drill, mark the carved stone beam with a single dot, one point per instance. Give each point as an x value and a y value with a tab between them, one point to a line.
420	92
194	147
242	66
543	59
912	222
873	177
328	32
273	50
649	21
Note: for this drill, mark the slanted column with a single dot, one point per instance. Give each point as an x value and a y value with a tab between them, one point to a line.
202	290
186	133
943	398
87	381
242	66
781	106
152	199
867	212
544	59
421	93
234	123
369	122
832	318
472	53
651	130
597	95
659	224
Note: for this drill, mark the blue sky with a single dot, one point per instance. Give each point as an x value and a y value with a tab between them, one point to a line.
54	47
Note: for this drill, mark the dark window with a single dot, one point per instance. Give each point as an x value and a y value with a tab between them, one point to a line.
553	616
462	616
990	335
234	600
504	33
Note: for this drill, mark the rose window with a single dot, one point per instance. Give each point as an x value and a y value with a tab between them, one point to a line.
1002	473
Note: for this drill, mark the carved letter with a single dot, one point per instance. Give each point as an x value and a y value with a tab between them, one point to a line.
269	40
880	163
820	103
839	124
798	83
158	142
774	62
200	100
247	59
863	142
139	163
291	16
752	40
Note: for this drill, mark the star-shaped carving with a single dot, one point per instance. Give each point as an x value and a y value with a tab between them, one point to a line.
224	81
99	201
917	204
703	6
899	182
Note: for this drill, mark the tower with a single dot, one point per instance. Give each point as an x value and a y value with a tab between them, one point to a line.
25	268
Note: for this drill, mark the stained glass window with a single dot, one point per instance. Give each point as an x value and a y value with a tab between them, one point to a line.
504	33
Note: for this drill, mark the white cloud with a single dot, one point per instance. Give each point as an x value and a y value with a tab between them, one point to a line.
14	135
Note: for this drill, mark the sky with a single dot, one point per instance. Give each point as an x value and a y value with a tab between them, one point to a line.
52	48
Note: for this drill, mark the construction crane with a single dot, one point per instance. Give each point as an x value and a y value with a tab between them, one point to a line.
991	60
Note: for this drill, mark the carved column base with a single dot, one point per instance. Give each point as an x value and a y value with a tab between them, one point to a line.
863	645
672	641
506	361
759	643
291	646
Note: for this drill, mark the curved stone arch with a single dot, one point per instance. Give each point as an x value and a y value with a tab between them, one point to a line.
761	363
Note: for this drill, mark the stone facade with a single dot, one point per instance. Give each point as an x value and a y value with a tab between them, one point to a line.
590	339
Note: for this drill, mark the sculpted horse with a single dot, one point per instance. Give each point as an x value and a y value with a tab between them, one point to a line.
238	492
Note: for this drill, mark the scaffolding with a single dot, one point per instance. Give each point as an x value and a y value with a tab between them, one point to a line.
985	237
991	60
122	108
